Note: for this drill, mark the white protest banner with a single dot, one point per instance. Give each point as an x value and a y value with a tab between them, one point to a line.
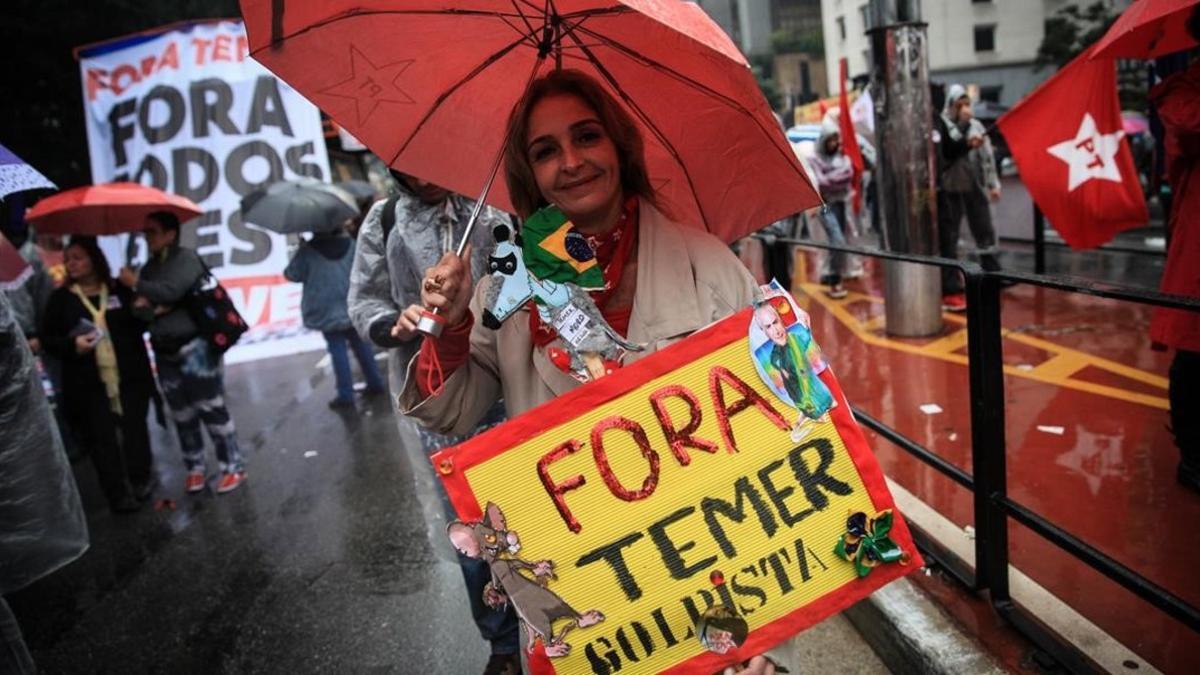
183	108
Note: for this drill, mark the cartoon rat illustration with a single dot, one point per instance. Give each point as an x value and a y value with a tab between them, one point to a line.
538	607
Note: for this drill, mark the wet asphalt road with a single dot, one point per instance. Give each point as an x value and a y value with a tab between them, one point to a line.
330	563
318	564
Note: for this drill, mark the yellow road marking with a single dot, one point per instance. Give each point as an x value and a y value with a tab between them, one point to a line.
1056	370
949	343
1060	367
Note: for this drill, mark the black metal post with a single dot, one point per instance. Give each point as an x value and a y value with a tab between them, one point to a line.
1039	241
985	366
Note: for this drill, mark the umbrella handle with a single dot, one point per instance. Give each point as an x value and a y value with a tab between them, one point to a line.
431	323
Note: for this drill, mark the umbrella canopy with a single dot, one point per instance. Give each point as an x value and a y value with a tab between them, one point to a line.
17	176
109	208
361	190
293	206
14	269
429	84
1146	29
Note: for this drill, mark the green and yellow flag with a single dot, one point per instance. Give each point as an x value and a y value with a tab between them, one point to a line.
555	251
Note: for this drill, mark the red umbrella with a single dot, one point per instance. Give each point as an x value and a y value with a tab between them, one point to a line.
110	208
428	86
14	269
1148	28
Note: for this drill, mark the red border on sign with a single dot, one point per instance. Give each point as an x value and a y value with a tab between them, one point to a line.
564	408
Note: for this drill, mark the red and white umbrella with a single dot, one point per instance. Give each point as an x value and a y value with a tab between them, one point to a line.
428	86
1147	29
14	269
109	208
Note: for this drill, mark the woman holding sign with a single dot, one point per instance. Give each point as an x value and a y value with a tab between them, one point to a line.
572	146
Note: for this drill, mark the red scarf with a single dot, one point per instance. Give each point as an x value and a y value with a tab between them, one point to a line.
612	249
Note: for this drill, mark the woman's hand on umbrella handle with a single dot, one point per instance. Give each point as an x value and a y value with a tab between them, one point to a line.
406	324
127	277
447	287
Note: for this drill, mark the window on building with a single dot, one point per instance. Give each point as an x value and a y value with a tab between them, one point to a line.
841	24
985	38
866	17
991	93
805	79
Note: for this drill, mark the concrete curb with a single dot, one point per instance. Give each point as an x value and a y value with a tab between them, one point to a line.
911	634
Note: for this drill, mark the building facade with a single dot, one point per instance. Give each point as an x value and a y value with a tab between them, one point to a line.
748	22
988	45
787	34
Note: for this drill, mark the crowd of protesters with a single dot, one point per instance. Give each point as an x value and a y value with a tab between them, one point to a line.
365	289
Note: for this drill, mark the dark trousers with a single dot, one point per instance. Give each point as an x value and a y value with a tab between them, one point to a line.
498	626
952	208
777	258
14	656
118	444
833	217
1184	394
339	343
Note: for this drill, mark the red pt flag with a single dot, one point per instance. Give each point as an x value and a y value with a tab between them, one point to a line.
850	141
1068	144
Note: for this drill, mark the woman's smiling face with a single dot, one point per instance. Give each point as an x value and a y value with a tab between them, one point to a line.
574	160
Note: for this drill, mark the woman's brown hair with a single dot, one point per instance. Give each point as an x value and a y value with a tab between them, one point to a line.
620	127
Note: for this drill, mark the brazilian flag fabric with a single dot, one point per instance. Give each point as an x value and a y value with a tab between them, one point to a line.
555	251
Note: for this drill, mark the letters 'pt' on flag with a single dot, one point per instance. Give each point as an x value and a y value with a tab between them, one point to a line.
1068	144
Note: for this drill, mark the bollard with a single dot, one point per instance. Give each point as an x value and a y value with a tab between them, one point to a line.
907	188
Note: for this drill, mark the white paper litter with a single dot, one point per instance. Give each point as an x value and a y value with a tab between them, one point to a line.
931	408
310	453
1025	366
1057	431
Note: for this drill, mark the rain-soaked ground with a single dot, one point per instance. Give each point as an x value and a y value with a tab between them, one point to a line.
1088	446
322	562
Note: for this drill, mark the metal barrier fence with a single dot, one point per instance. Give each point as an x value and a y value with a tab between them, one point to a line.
989	480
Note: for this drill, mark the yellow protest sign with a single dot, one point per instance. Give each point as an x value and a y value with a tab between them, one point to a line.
705	476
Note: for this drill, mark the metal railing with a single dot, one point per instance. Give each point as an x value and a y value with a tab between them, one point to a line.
988	481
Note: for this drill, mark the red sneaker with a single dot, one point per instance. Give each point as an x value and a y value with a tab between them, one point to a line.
955	302
194	482
230	482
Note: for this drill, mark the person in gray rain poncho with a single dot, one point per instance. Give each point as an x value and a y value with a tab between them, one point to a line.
834	176
401	238
42	525
966	183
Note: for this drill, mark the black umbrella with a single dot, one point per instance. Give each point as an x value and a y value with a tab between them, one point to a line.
360	189
294	206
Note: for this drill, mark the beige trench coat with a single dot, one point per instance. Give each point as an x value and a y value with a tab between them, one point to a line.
686	280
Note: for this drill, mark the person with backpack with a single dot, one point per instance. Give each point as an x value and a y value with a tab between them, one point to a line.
190	368
322	265
400	239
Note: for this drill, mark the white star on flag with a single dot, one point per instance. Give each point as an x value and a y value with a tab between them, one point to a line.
1090	154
